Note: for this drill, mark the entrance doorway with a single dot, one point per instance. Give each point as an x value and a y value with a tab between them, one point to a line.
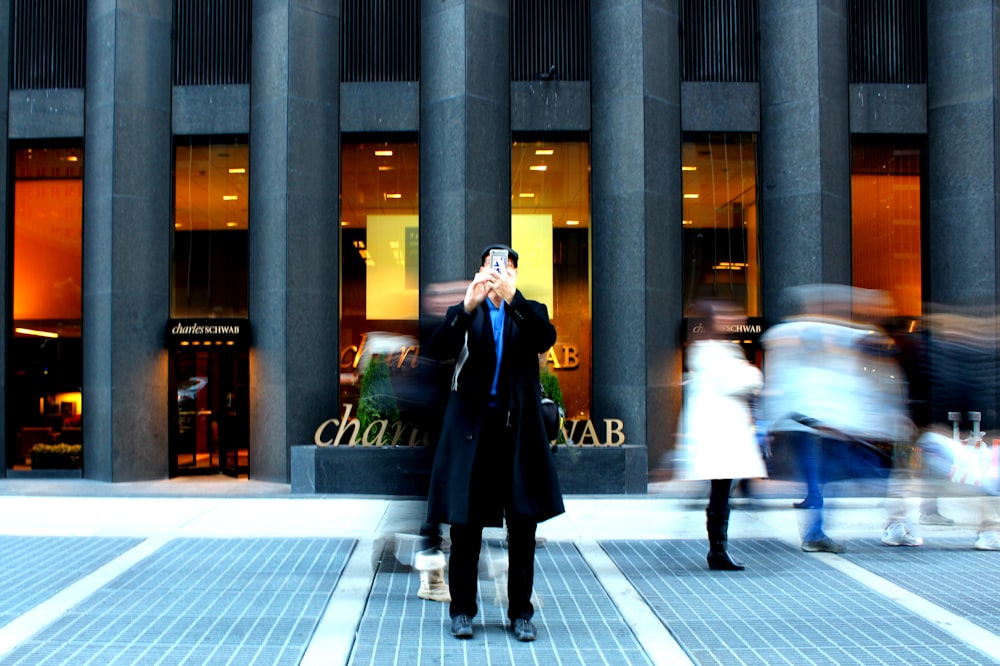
209	411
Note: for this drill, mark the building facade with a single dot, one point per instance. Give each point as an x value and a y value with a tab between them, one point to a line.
212	207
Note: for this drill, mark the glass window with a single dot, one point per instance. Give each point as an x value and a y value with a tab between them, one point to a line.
721	249
380	257
550	229
885	218
44	359
209	245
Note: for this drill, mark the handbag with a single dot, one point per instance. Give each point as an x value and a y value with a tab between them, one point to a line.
552	415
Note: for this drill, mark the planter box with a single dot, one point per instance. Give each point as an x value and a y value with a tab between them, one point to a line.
405	471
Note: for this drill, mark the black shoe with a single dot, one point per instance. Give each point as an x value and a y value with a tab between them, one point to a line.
523	630
461	626
720	561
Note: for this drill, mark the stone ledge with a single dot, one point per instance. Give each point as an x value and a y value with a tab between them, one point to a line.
405	471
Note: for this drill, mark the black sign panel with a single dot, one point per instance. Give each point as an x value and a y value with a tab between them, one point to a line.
208	332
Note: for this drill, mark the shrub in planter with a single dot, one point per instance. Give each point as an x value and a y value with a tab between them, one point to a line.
377	401
56	456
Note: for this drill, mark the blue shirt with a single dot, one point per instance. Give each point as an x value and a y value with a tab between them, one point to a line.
497	315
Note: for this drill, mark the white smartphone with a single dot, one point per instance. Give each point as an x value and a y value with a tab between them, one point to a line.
498	260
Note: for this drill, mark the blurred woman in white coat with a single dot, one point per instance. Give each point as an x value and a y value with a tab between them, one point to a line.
717	440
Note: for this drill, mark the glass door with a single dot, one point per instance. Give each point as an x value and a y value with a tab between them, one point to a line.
210	421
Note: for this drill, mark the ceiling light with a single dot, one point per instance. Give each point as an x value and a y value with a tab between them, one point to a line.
232	224
544	151
537	167
687	221
41	334
572	223
345	223
237	170
689	168
393	195
233	197
383	167
527	195
72	158
383	153
178	225
690	196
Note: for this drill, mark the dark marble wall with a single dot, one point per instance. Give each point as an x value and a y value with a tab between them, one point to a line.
294	226
963	65
636	217
464	134
5	264
805	198
127	239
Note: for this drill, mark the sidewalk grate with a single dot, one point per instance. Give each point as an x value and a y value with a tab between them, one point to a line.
32	569
576	620
786	608
200	601
946	571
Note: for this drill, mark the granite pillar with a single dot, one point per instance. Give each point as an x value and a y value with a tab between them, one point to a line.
636	218
465	138
126	240
963	66
805	188
294	227
6	259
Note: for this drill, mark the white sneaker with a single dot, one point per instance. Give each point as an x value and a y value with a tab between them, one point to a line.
988	540
896	534
429	560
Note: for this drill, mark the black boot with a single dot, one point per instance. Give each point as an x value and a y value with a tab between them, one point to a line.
717	523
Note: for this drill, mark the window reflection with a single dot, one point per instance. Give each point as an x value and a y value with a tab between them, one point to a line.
721	250
44	353
550	229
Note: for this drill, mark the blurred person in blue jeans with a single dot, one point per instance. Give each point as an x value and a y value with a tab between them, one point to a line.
830	384
717	440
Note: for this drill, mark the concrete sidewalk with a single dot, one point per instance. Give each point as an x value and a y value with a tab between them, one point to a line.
237	572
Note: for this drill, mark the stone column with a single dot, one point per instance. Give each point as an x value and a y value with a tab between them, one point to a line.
126	240
465	138
294	227
6	260
636	218
805	188
963	181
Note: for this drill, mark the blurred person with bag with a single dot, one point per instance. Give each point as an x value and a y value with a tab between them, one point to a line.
833	393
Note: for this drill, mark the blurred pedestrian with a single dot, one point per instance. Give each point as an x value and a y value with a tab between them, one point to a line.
493	460
962	358
717	440
832	390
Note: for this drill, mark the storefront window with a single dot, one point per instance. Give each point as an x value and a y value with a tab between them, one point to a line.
550	229
721	250
380	259
885	218
209	248
44	353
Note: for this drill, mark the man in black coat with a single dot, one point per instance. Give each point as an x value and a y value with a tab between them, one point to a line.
493	459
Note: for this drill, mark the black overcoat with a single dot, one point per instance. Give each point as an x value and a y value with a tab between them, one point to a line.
464	491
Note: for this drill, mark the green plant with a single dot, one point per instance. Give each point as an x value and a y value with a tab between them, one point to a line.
56	456
377	401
